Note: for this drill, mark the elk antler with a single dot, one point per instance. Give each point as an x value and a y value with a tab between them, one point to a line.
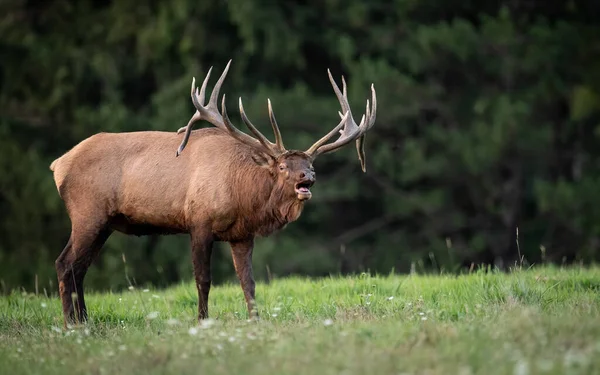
350	130
210	113
276	148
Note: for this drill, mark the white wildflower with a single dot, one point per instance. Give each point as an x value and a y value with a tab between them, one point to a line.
44	305
390	298
545	365
521	368
207	323
574	358
193	331
152	315
327	322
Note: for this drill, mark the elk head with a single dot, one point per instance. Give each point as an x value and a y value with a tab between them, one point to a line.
292	169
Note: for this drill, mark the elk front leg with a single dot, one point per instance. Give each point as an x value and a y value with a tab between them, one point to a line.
201	252
241	252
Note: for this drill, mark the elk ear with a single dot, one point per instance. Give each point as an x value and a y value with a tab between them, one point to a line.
263	159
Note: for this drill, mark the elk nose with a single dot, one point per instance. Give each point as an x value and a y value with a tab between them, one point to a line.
306	174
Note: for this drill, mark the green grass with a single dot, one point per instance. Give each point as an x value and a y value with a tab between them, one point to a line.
540	321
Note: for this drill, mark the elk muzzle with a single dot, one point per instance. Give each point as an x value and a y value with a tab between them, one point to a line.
302	188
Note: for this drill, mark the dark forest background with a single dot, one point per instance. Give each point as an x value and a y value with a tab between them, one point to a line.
485	149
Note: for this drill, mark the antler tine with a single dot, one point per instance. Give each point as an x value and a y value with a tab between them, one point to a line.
373	108
203	87
261	138
196	101
341	97
215	93
196	117
360	142
276	131
226	121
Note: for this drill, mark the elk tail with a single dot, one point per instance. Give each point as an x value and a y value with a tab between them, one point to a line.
53	165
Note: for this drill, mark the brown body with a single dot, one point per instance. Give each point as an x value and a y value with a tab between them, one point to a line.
140	187
227	186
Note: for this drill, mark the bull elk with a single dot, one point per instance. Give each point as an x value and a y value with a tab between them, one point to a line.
226	186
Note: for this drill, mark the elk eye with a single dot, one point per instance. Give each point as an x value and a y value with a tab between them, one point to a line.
282	167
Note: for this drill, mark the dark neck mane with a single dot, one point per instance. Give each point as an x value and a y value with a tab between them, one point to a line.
264	207
277	213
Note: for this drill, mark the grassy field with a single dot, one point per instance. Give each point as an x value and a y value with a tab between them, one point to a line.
539	321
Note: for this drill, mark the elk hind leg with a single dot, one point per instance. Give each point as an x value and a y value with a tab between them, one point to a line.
72	265
201	253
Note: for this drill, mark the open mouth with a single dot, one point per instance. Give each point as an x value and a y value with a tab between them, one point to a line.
303	189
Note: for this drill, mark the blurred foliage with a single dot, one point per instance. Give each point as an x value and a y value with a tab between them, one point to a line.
488	121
